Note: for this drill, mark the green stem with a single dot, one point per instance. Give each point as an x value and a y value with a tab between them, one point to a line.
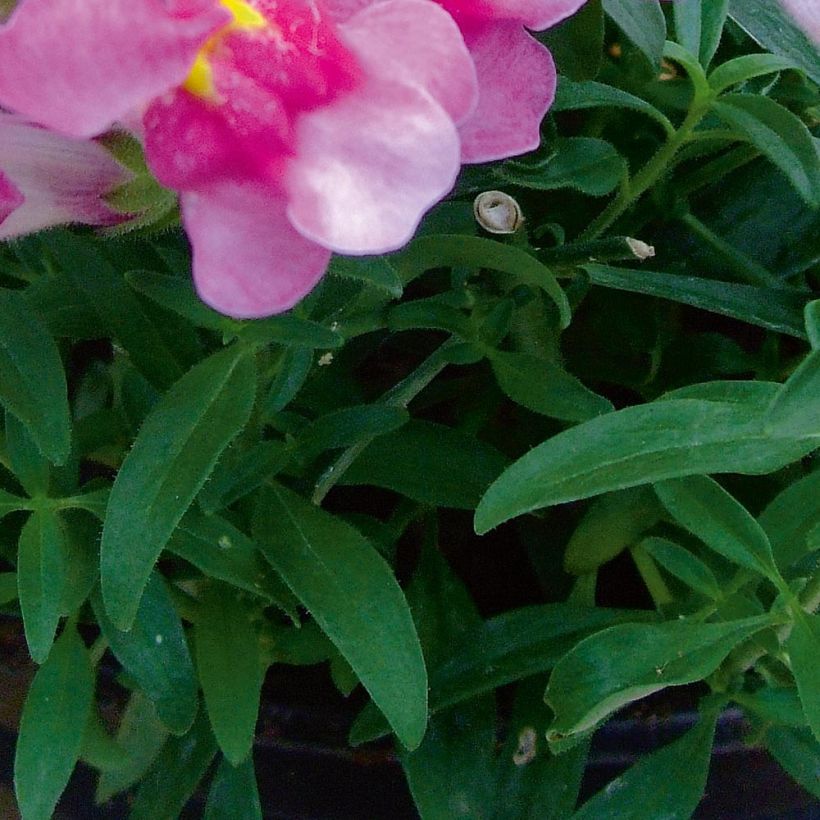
747	269
400	395
650	173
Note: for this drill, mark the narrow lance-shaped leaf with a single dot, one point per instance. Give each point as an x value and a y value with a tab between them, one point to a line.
667	783
32	381
52	726
778	134
41	572
155	653
638	445
643	23
172	457
704	508
795	411
803	647
230	670
234	793
683	565
627	662
354	597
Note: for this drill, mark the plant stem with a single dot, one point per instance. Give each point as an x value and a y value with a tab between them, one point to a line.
651	172
400	395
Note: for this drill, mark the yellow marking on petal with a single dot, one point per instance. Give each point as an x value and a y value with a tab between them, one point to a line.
200	82
244	14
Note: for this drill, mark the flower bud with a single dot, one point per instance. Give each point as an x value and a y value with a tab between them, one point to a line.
498	212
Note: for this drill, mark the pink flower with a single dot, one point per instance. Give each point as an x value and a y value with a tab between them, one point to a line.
287	133
807	15
47	179
516	74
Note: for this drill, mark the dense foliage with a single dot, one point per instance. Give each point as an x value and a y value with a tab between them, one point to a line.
192	499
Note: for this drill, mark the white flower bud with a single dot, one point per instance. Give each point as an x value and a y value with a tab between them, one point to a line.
498	212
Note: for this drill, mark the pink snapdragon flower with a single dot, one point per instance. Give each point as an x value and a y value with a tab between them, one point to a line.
288	134
516	74
47	179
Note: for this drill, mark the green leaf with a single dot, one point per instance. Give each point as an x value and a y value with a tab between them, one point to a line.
233	793
450	775
81	532
701	506
174	453
789	518
230	670
155	653
99	749
795	410
348	425
353	596
545	387
235	476
177	294
688	15
713	19
667	783
510	647
577	43
630	661
683	565
141	735
798	753
642	21
780	706
812	316
28	464
803	647
290	331
532	783
175	774
52	726
222	552
572	96
120	312
32	381
779	135
429	463
779	310
638	445
453	250
698	26
41	569
611	524
745	68
8	587
374	270
591	166
772	26
294	368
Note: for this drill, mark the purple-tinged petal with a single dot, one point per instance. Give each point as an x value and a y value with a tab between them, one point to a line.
517	80
807	15
417	43
248	261
368	166
77	66
535	14
61	179
11	197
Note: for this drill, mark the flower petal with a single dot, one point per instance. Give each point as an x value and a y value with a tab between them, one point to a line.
807	15
79	65
248	260
369	165
517	80
416	42
11	197
61	179
535	14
